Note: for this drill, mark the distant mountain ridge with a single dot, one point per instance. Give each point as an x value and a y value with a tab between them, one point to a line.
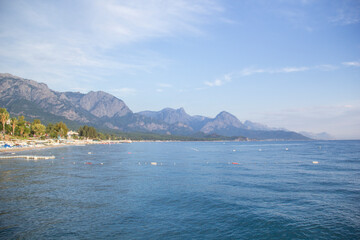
100	109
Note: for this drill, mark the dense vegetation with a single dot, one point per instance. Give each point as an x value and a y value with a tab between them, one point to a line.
21	128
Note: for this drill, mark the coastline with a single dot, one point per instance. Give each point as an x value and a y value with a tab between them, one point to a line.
22	146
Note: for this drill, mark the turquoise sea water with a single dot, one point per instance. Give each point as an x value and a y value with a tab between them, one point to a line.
275	191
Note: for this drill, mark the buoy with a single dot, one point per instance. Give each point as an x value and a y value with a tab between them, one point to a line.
129	152
88	163
235	163
89	152
234	150
315	162
260	150
102	163
286	149
153	163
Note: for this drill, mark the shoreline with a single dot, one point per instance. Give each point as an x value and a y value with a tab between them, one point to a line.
22	145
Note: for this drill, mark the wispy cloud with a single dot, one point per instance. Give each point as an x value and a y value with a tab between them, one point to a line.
348	13
352	64
249	71
65	40
219	82
252	71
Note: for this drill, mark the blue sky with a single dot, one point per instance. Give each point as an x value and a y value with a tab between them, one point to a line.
285	63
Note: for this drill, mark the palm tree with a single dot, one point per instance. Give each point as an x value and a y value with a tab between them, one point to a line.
4	116
13	125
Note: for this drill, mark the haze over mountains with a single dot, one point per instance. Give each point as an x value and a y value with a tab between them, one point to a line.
100	109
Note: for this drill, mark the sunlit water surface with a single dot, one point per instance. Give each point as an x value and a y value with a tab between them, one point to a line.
196	191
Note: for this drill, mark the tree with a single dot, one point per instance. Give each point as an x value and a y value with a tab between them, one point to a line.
61	129
4	116
36	121
38	129
88	132
50	130
21	125
13	124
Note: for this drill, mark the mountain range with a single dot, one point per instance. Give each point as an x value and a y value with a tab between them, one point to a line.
103	110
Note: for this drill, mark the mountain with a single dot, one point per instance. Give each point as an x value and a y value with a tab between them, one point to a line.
100	109
223	121
177	116
36	100
224	124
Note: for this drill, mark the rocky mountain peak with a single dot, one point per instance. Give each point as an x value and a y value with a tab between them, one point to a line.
102	104
226	118
171	116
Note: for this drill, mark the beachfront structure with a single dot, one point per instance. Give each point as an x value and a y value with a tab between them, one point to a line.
72	134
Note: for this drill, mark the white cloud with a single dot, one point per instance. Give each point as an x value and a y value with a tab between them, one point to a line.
67	41
219	82
252	71
129	21
352	64
292	69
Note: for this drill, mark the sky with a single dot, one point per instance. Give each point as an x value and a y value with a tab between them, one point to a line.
292	64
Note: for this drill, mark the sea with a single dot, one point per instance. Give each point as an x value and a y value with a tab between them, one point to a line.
184	190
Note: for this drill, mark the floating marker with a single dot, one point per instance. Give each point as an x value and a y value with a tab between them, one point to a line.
234	150
102	163
286	149
315	162
89	152
153	163
89	163
260	150
235	163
